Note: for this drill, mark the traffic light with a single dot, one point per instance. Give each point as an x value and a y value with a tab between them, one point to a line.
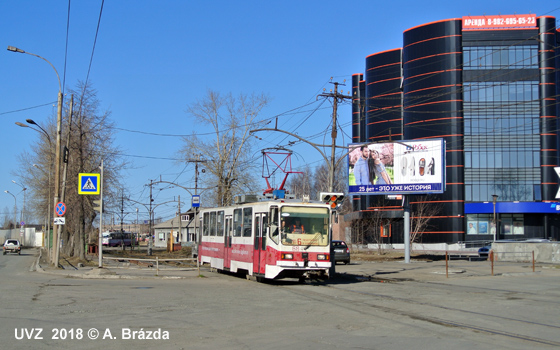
97	204
333	199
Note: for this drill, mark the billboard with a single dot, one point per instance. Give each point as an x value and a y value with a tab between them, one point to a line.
400	167
499	22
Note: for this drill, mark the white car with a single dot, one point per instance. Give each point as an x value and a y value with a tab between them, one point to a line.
11	245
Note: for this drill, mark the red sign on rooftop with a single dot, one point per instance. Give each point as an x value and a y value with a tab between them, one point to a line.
499	22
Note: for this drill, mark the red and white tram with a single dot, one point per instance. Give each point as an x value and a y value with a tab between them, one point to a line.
270	239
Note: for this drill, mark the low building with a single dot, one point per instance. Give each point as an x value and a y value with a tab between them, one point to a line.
183	228
488	86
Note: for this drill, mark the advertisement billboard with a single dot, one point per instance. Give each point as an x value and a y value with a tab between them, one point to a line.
399	167
499	22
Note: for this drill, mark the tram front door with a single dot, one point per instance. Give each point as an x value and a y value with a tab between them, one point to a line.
259	252
227	242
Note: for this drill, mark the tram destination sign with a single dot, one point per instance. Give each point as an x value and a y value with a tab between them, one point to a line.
402	167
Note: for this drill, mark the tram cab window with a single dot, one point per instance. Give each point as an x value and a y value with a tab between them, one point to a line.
247	222
304	226
213	223
237	222
220	223
273	227
205	223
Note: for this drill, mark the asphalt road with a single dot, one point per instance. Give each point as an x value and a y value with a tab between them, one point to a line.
220	311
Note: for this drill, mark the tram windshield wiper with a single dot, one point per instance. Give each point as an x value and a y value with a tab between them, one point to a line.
314	240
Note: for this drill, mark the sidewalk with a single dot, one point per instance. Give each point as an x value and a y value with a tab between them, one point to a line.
432	271
379	271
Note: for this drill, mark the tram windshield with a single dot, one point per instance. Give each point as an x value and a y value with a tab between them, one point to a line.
304	226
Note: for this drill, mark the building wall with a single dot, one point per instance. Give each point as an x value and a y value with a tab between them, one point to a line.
493	96
433	105
358	125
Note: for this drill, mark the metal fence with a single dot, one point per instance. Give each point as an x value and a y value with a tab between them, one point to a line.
141	262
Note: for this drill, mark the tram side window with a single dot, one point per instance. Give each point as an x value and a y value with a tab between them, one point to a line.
247	222
213	223
237	222
274	224
205	220
220	222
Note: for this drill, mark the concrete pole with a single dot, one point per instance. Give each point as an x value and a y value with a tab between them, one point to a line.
56	238
406	209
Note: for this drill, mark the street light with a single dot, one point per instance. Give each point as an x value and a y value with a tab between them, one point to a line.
494	200
23	208
44	132
58	135
15	207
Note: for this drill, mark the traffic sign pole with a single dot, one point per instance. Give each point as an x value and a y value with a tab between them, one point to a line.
100	247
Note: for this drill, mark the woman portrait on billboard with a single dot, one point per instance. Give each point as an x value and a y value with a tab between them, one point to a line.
379	169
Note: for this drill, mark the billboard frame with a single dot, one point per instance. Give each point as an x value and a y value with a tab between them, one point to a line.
401	167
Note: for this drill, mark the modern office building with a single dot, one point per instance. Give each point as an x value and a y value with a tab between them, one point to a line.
489	86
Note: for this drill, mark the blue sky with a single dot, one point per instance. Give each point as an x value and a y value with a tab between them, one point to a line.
154	58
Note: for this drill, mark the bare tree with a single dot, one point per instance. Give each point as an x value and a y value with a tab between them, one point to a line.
301	184
422	211
89	136
373	223
6	222
229	148
321	183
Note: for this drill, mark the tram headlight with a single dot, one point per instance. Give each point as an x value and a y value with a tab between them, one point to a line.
322	256
287	256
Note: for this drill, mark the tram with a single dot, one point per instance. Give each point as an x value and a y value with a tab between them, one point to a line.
269	239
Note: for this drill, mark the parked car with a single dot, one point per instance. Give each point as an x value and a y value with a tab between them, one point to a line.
11	245
484	251
341	252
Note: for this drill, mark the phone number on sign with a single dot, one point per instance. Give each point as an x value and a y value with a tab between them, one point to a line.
92	334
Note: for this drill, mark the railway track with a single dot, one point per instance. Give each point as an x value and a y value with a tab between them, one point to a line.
367	302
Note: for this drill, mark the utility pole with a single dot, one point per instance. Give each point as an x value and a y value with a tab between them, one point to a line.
180	225
334	133
61	191
151	240
100	209
122	211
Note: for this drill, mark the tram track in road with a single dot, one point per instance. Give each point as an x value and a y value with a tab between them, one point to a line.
378	302
452	309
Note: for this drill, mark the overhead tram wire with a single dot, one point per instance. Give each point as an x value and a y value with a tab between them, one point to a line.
91	58
28	108
66	48
208	133
212	133
304	120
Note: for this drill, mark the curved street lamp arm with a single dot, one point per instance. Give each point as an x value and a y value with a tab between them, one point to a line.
312	144
153	206
15	49
296	136
185	188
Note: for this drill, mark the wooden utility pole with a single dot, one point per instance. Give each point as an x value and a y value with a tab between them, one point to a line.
334	133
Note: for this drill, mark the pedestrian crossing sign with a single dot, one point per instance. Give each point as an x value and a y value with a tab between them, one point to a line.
88	184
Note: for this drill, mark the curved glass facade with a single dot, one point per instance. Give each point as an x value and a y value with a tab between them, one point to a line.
492	94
